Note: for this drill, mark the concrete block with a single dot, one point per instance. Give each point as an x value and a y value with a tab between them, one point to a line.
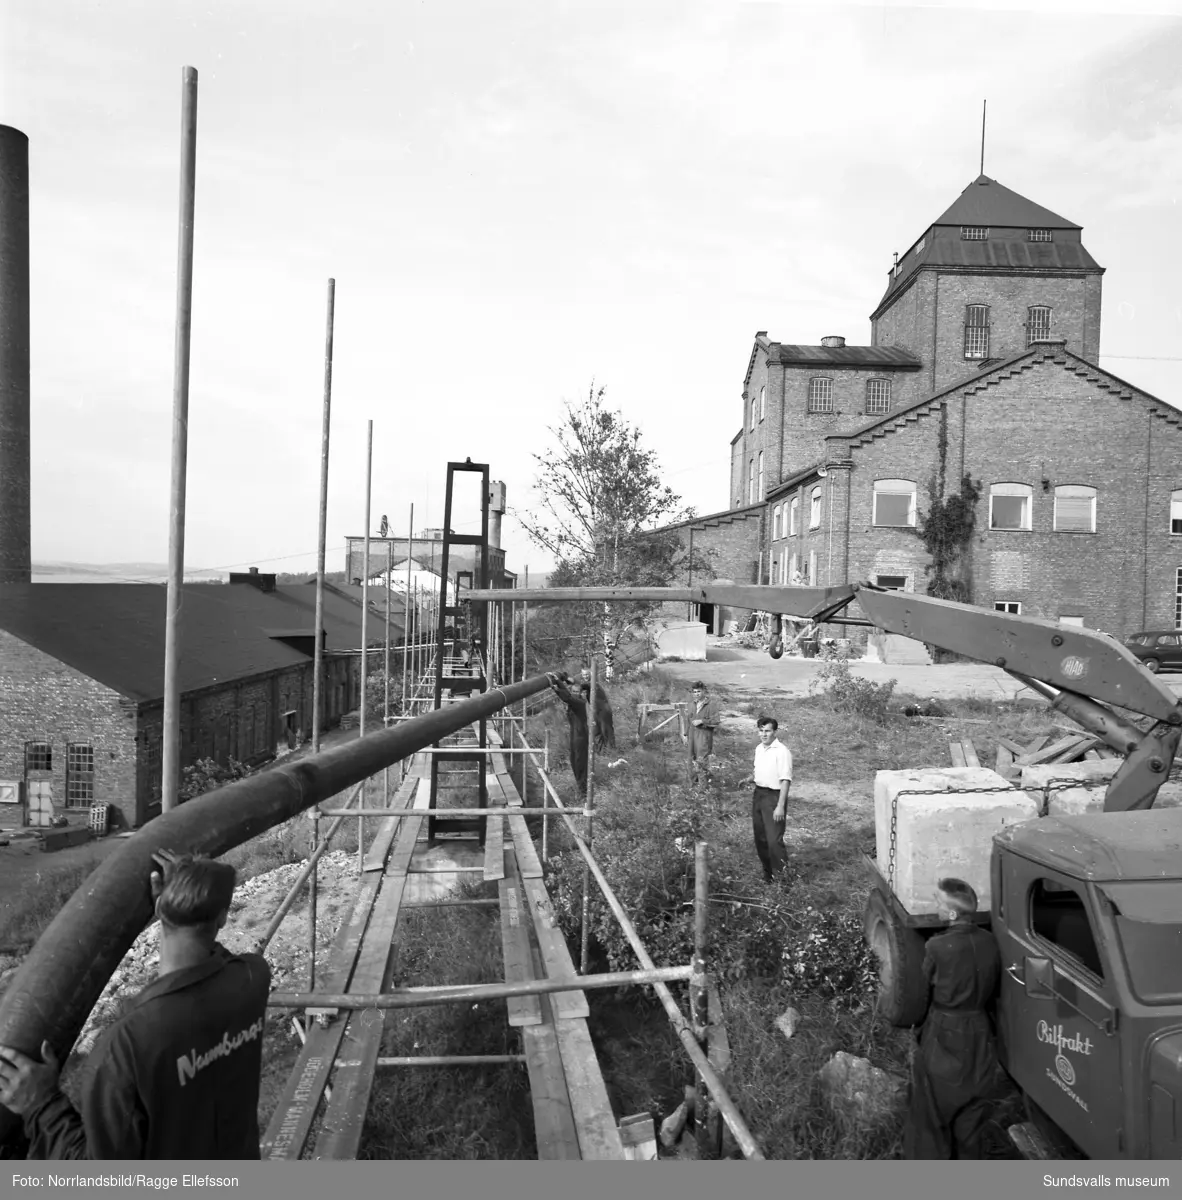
947	833
1089	796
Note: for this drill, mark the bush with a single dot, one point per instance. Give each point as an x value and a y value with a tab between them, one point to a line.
829	957
205	775
848	693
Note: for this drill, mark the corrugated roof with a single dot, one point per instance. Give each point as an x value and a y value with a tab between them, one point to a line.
114	632
987	202
847	356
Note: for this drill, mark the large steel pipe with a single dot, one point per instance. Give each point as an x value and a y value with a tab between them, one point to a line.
66	971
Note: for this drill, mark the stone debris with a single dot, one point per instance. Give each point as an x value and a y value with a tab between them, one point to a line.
852	1083
788	1022
673	1125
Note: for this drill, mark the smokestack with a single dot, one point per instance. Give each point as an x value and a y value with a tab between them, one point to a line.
496	510
16	563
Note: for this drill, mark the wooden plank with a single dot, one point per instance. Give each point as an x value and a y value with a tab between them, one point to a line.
1031	758
599	1136
1036	745
555	954
970	753
494	849
638	1135
554	1124
523	845
1005	761
515	945
375	857
1013	747
957	752
1093	756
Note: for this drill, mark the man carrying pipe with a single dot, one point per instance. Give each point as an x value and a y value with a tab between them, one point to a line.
177	1075
576	726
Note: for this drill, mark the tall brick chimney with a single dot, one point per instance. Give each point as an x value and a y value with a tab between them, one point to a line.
16	564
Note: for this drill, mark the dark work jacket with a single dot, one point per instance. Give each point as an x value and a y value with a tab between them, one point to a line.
576	726
701	737
176	1077
956	1069
605	726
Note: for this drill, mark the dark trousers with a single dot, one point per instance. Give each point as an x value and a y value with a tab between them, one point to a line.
769	833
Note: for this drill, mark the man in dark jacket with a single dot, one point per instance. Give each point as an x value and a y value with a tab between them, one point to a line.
177	1075
955	1072
605	725
576	727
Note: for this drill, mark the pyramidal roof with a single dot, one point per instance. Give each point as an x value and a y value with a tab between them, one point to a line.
987	202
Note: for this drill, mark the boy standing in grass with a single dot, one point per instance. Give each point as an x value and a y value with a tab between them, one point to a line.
772	778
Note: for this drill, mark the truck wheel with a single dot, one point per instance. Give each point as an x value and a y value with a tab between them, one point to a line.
902	988
1151	664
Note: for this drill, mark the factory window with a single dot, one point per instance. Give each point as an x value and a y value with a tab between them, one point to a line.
974	233
793	510
761	474
1075	509
878	397
976	331
784	566
820	395
1040	235
1013	607
892	583
1038	323
1059	917
38	756
812	575
776	521
79	775
753	402
794	569
894	502
1176	512
1178	599
815	509
1009	506
751	482
762	403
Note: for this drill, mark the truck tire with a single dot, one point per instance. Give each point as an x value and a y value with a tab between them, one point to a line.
903	990
1152	665
1061	1145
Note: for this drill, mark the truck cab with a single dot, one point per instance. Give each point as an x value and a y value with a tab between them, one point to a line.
1087	913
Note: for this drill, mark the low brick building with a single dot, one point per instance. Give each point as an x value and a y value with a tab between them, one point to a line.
983	360
82	682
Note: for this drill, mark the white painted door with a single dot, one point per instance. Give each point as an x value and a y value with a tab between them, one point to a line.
40	802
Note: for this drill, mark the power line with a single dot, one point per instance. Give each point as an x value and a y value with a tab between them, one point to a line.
1144	357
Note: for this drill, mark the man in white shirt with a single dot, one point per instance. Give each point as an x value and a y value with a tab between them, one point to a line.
772	778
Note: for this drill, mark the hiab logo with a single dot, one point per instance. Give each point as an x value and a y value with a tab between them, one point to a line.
1065	1069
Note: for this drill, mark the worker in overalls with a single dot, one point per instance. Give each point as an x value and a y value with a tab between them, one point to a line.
576	726
955	1072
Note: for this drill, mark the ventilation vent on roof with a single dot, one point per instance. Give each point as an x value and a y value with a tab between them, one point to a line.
833	343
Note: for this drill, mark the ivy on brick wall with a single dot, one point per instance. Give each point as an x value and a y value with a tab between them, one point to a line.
946	531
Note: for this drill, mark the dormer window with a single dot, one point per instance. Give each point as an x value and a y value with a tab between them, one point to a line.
1040	235
920	244
974	233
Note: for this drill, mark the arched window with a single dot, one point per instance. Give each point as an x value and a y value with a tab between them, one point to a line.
761	474
878	397
776	522
1075	509
793	511
762	403
815	508
1009	506
976	331
894	502
751	481
1038	323
820	395
1176	511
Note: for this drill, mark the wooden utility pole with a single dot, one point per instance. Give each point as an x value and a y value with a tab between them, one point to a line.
170	764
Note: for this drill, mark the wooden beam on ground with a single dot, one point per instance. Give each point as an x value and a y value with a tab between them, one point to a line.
638	1135
956	750
375	857
1093	755
1014	748
1084	743
515	943
599	1136
1032	758
553	948
970	753
1004	765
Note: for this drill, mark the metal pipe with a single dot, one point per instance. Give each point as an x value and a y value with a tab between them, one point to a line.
64	974
15	514
365	626
726	1106
322	534
589	804
170	757
313	859
419	997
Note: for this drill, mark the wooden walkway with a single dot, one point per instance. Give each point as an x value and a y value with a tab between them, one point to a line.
572	1113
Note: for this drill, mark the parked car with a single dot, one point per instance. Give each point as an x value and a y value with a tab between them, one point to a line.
1157	649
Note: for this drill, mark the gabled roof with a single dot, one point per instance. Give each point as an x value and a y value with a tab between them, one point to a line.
114	632
987	202
845	356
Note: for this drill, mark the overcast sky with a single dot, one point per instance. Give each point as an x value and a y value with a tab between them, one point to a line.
514	199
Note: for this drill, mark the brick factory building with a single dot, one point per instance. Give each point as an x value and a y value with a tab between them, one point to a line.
983	360
82	684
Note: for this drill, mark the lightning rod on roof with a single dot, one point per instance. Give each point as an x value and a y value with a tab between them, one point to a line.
983	103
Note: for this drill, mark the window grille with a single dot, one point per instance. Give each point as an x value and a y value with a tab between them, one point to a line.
1178	599
38	756
1013	607
878	397
974	233
820	395
1038	323
976	331
79	775
1040	235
